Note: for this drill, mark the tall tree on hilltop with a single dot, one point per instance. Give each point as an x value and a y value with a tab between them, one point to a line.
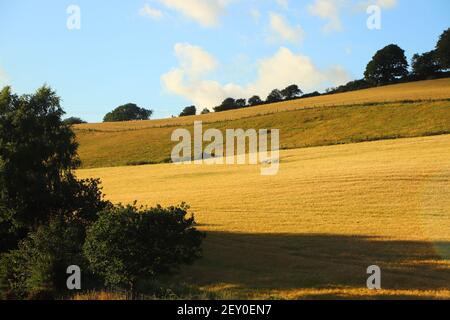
443	49
387	65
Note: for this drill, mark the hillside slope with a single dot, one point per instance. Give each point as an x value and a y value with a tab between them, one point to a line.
312	230
421	90
302	123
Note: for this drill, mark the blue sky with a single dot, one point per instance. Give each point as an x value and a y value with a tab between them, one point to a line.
167	54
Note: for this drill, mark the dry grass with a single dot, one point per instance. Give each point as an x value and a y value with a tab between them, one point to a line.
301	128
312	230
421	90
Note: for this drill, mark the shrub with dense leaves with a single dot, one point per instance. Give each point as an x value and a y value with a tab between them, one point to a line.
37	268
129	244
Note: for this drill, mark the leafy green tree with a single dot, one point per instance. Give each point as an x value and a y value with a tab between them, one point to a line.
240	103
128	112
205	111
128	244
254	101
227	104
189	111
274	96
443	49
73	120
387	65
291	92
425	65
350	86
38	154
310	95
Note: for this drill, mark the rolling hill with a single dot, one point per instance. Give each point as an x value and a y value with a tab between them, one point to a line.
312	230
397	111
333	209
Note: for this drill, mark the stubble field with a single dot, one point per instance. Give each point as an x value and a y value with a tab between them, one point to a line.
312	230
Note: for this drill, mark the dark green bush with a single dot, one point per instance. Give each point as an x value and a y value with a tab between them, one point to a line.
37	268
130	244
73	120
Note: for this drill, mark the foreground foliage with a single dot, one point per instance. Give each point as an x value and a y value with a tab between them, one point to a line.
45	212
38	154
37	268
129	244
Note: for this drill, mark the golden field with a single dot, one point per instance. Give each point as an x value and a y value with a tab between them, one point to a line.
420	90
312	230
316	126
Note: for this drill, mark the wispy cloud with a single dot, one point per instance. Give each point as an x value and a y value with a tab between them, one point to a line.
284	31
283	3
331	10
150	12
206	13
190	78
328	10
255	14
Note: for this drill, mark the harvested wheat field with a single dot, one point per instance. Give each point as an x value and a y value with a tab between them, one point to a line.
312	230
298	129
411	91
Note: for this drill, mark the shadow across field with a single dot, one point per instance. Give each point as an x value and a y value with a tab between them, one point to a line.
252	263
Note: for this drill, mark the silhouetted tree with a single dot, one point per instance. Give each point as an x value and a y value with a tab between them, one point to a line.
240	103
425	65
73	120
128	112
443	49
310	95
387	65
274	96
189	111
227	104
350	86
291	92
254	101
205	111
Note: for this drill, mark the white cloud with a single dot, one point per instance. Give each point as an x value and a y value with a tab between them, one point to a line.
194	60
283	30
285	68
331	10
283	3
387	4
282	69
206	13
362	6
255	14
150	12
328	10
187	80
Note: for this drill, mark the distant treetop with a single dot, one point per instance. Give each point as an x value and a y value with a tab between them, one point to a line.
128	112
189	111
73	120
387	65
